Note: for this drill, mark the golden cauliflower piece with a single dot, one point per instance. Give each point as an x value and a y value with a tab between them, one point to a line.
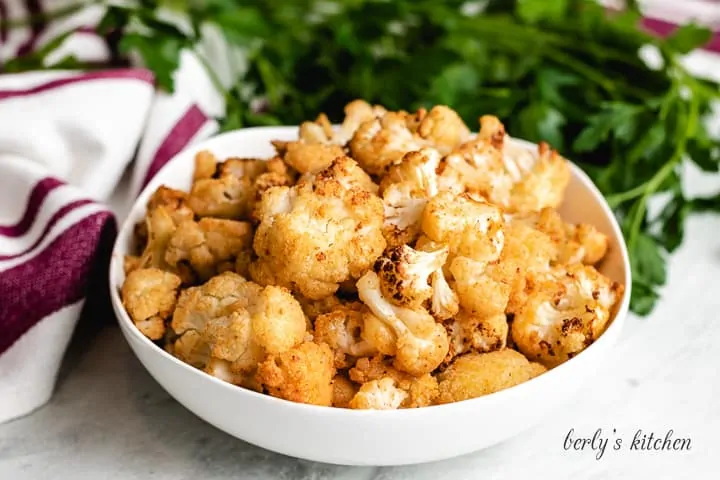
380	394
468	332
564	314
235	323
470	227
581	243
343	391
418	343
404	274
477	374
234	186
421	391
210	245
381	142
443	128
342	330
479	290
166	209
321	232
149	296
406	190
302	374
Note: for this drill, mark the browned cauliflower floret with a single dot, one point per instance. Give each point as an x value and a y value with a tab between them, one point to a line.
405	272
507	174
302	374
342	330
381	142
319	233
149	296
581	243
418	343
343	391
166	209
478	290
564	313
406	190
471	227
421	391
315	308
443	128
238	322
380	394
210	245
477	374
468	332
232	189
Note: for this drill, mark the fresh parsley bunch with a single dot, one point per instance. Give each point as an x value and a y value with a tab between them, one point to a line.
564	71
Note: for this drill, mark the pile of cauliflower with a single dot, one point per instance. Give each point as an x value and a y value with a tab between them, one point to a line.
395	261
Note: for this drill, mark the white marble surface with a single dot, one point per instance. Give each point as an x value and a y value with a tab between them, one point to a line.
110	420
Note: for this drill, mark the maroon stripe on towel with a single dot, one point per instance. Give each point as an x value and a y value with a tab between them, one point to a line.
55	278
57	216
37	26
130	73
178	138
37	196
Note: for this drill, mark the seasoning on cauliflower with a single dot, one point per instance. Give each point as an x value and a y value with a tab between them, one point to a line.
406	189
404	273
239	321
421	391
470	227
342	330
443	128
381	142
564	314
319	233
418	343
380	394
343	391
210	245
477	374
302	374
149	296
479	292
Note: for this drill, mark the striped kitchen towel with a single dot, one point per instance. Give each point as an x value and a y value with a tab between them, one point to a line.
66	139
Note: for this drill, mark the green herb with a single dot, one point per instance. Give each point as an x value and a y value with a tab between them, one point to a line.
558	70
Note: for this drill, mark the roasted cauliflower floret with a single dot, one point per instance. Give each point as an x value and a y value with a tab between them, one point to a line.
343	391
418	343
443	128
421	391
580	243
479	334
470	227
380	394
302	374
404	274
406	190
149	296
238	322
479	291
381	142
210	245
318	233
166	209
205	165
477	374
564	314
342	330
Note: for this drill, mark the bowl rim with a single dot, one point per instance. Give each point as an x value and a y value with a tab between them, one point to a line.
129	328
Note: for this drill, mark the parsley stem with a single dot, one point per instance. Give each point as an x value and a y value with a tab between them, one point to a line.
654	183
617	199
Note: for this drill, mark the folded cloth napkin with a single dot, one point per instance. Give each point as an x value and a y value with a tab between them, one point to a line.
66	139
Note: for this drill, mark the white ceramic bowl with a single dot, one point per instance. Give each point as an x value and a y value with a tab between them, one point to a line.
356	437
